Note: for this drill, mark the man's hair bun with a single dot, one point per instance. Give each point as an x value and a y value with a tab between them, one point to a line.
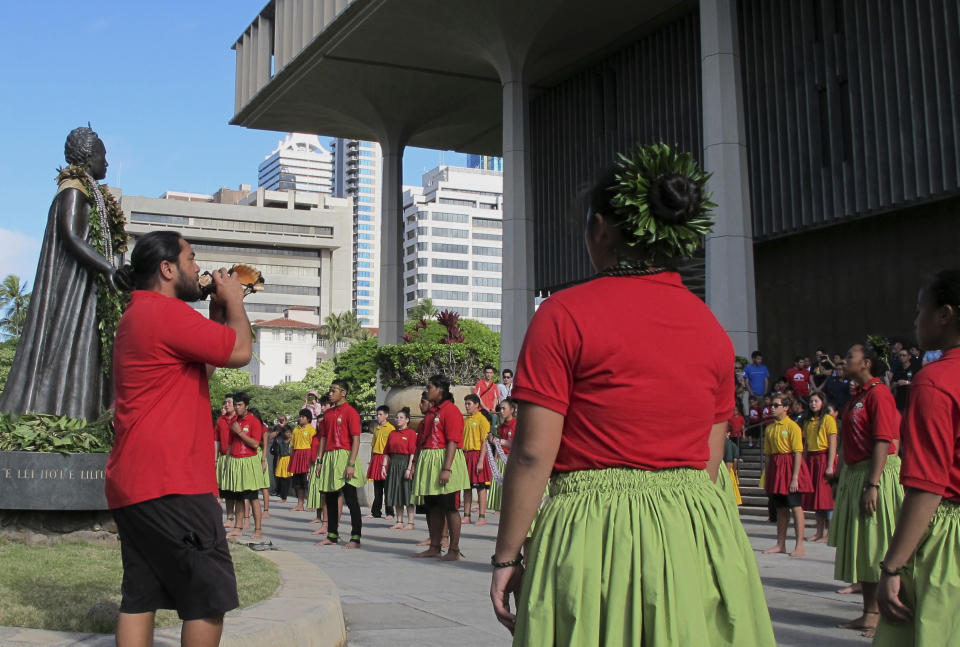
675	199
123	278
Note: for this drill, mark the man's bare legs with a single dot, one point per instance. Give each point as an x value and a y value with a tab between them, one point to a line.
453	523
467	500
435	523
482	496
781	545
135	629
257	519
201	633
871	611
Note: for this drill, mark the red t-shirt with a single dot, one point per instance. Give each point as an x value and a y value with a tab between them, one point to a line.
442	424
222	433
799	380
754	416
870	416
488	394
736	425
620	399
250	426
931	429
401	441
766	417
506	431
162	420
340	424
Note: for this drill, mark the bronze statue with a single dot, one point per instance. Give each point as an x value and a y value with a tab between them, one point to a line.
63	361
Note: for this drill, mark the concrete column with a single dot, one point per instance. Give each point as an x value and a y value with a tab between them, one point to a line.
731	290
326	287
518	279
391	242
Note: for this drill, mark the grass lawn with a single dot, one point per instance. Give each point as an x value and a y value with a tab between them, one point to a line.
75	586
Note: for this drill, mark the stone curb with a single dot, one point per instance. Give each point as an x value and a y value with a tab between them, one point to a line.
305	612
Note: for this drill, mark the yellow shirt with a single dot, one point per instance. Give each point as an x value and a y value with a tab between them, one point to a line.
302	437
783	437
817	435
380	436
475	431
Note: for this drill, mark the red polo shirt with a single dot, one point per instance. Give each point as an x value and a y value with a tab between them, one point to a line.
593	353
340	424
488	394
506	431
799	380
401	441
162	420
442	424
931	429
222	433
870	416
250	426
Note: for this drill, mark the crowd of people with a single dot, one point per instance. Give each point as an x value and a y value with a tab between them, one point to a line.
435	468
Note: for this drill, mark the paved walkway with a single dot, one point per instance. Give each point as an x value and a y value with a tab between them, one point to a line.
392	600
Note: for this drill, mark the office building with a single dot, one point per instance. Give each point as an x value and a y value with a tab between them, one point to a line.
453	242
487	162
298	163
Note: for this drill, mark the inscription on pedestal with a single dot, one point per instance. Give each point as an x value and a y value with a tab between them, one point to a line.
49	481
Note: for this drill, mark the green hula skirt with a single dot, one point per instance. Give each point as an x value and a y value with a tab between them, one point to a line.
221	466
399	488
496	490
426	479
930	586
861	541
632	557
331	473
314	493
244	474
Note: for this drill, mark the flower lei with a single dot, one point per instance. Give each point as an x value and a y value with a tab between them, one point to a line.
635	173
105	213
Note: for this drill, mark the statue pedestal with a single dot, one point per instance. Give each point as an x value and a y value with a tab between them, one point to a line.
51	481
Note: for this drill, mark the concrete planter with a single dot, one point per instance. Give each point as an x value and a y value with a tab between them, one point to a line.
409	396
51	481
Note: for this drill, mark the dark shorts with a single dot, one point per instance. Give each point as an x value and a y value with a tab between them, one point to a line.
175	556
300	481
446	502
480	486
792	500
246	495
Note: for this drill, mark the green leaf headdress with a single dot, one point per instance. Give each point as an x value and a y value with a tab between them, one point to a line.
880	346
655	223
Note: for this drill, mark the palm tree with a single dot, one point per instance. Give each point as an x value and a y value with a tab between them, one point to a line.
14	303
423	310
341	327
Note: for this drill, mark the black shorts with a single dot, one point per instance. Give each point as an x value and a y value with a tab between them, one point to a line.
479	486
791	500
446	502
300	481
175	556
246	495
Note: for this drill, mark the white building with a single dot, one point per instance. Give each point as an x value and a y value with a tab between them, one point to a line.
301	242
453	242
299	163
286	346
358	175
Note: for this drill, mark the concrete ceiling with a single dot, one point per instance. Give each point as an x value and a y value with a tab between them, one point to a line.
431	69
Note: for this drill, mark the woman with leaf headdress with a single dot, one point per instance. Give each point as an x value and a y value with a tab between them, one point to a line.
869	493
637	545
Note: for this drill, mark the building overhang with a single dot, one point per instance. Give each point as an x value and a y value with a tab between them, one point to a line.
428	72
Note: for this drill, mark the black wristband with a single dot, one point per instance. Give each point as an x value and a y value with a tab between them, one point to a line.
889	571
871	485
512	562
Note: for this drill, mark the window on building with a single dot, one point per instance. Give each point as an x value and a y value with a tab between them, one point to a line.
364	198
288	358
422	215
365	189
287	335
411	296
366	153
442	216
364	312
458	202
451	279
421	294
486	205
422	262
364	246
451	264
364	273
411	265
423	278
423	231
364	264
487	313
366	293
449	232
411	280
367	180
484	282
364	236
364	228
363	302
411	234
488	222
481	266
487	251
366	171
410	250
480	236
364	255
449	248
288	378
367	162
422	247
365	284
451	295
364	208
487	297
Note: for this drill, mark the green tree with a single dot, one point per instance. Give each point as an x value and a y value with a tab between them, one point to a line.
341	327
357	367
423	310
224	381
8	349
14	303
319	377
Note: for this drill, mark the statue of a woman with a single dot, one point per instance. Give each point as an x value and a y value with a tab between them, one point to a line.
62	364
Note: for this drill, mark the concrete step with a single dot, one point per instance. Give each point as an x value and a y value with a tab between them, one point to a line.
758	501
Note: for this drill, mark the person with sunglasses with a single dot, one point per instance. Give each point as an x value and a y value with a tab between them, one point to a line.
787	475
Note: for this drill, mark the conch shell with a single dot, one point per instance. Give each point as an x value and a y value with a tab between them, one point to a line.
249	276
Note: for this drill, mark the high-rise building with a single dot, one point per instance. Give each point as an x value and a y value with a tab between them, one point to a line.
453	242
300	163
358	175
487	162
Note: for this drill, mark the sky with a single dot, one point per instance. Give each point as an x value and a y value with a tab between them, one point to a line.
155	80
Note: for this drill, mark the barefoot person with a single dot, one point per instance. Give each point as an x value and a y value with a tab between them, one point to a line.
441	469
920	574
820	433
376	471
475	431
160	478
636	544
501	443
223	453
245	467
869	493
398	469
337	470
787	475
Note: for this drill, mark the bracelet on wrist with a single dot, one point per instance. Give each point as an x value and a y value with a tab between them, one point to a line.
445	469
508	564
871	485
892	572
349	464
